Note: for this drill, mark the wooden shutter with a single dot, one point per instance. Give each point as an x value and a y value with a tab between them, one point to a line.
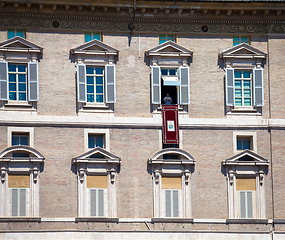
184	85
33	81
242	204
167	203
258	87
110	83
22	202
81	83
175	203
230	96
14	205
4	81
155	85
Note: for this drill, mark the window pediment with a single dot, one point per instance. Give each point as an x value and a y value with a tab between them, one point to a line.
18	44
169	49
95	47
246	157
242	51
97	155
35	156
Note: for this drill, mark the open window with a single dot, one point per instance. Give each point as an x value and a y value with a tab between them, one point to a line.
19	73
243	78
19	185
96	75
171	183
97	171
170	73
246	185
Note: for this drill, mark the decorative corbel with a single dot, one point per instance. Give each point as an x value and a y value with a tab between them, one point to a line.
156	176
35	174
112	175
187	176
81	174
3	174
261	177
231	177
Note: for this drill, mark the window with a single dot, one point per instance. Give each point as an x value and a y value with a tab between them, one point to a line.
171	181
15	32
244	143
19	81
88	36
244	140
20	138
97	170
95	141
95	84
166	37
243	88
240	39
96	138
19	178
246	173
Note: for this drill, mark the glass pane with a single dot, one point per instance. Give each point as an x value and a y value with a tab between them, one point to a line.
246	74
90	89
22	97
99	98
99	80
21	68
99	89
12	68
90	98
90	80
97	36
161	41
24	140
15	140
236	38
246	84
10	33
244	39
238	102
170	37
247	93
22	77
164	71
88	36
246	144
235	43
99	70
247	102
12	87
91	141
20	33
12	77
172	72
99	141
238	84
12	96
89	70
238	93
162	36
22	87
237	74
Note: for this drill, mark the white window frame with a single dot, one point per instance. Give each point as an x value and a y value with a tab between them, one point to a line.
104	132
28	130
252	135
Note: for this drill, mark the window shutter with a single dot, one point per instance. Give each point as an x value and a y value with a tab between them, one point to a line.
184	86
258	87
22	202
33	81
168	203
14	202
242	204
93	205
249	198
155	85
110	83
230	87
4	81
81	83
175	200
101	202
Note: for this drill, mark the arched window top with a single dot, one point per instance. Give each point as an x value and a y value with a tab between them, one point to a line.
31	152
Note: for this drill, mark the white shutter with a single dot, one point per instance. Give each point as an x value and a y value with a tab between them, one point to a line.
230	88
168	203
81	83
184	85
22	202
155	85
242	204
93	202
4	92
175	203
258	87
33	81
110	83
14	202
249	199
101	203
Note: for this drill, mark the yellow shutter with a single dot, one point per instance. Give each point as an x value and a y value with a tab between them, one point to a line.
18	181
245	184
171	183
96	181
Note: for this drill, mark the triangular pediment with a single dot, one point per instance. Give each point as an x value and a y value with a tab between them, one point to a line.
95	47
242	50
97	154
19	44
169	48
246	157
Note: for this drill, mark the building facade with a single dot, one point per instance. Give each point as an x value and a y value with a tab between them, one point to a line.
82	152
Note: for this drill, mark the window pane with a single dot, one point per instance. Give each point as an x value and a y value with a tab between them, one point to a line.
99	80
90	89
22	77
12	87
88	36
244	39
22	97
12	68
99	89
172	72
236	38
89	70
99	98
170	37
99	141
97	36
238	102
246	144
246	74
91	141
239	144
99	70
90	80
90	98
20	33
21	68
22	87
237	93
237	74
235	43
12	96
10	33
247	93
247	102
15	140
246	84
12	77
164	71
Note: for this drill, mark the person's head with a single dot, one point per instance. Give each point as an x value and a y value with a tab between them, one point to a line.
167	95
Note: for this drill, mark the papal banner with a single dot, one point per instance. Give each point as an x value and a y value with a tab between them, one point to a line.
170	124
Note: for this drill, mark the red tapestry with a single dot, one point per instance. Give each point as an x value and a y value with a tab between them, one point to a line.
170	124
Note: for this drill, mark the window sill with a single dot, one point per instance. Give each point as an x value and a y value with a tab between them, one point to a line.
247	111
96	219
87	108
247	221
20	219
172	220
22	106
181	110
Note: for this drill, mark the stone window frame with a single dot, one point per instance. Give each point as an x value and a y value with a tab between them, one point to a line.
28	165
104	132
109	166
183	168
29	130
252	135
257	168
